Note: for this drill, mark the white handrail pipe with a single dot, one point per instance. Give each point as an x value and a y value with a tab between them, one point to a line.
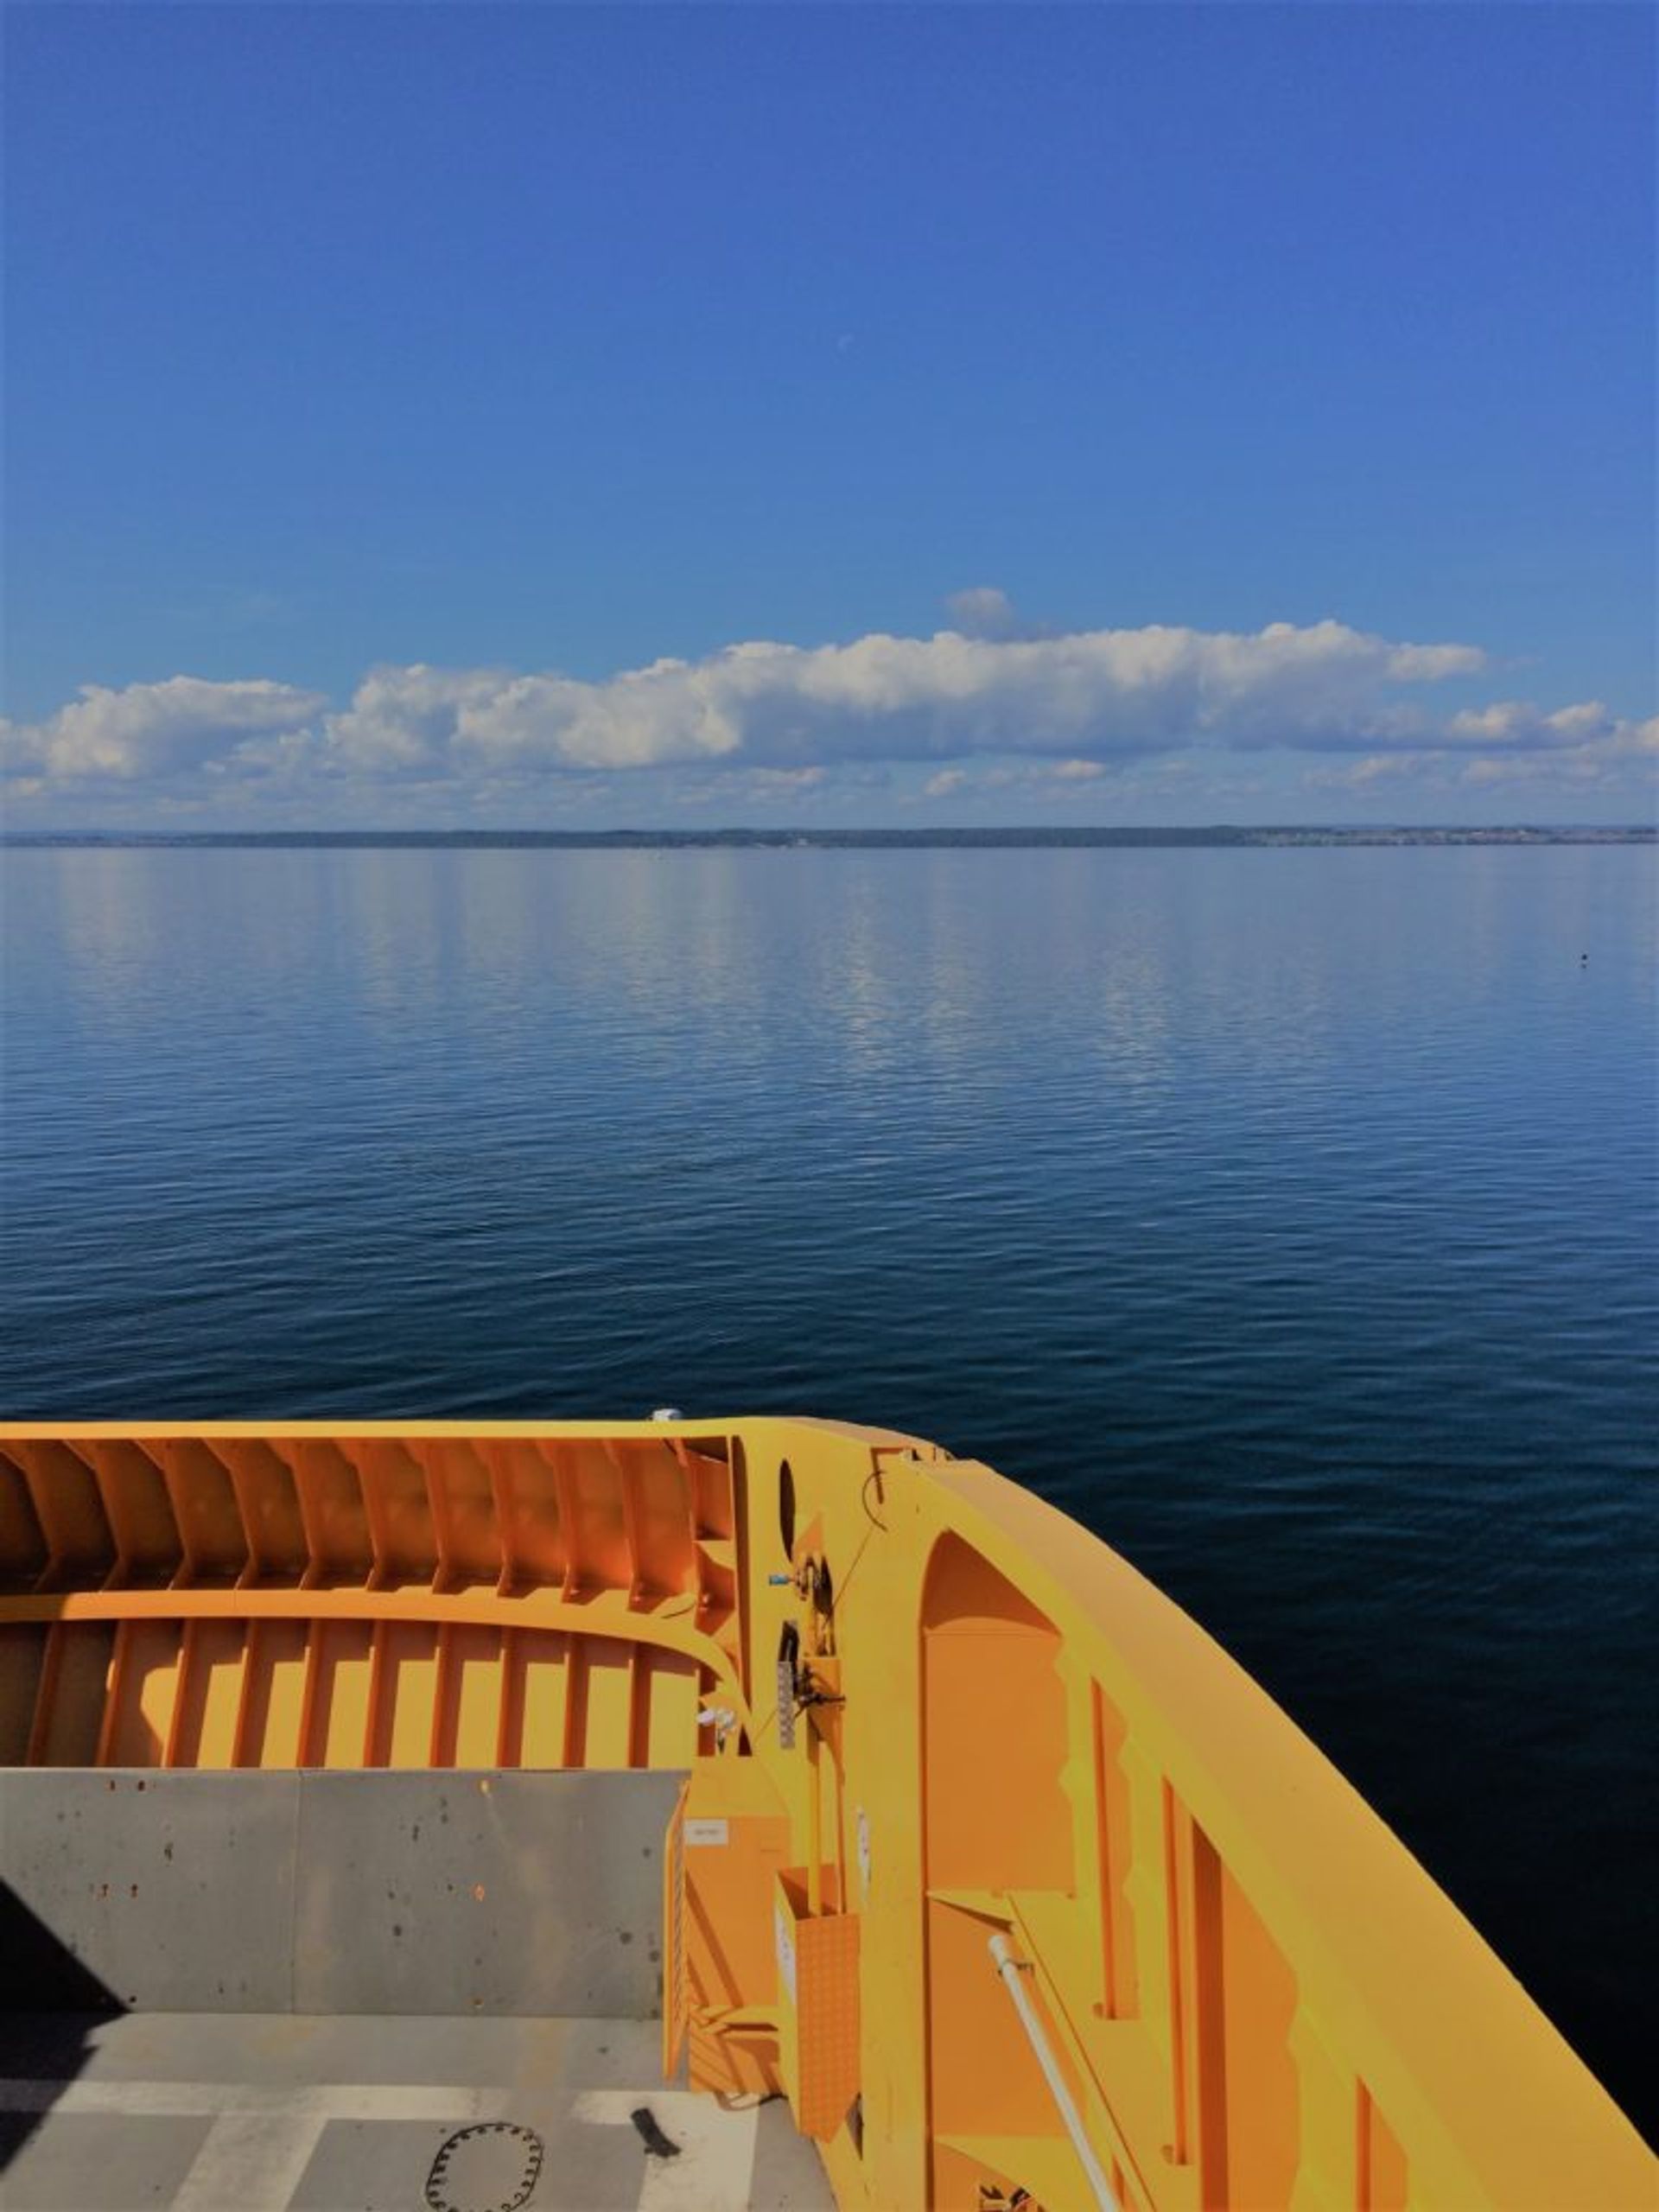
1010	1969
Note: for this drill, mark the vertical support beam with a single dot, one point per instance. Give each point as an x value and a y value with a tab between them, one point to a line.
120	1660
814	1818
638	1706
334	1724
703	1517
628	1491
669	1687
1104	1859
208	1512
212	1674
144	1694
564	1486
148	1546
1210	1996
737	1466
310	1696
579	1733
541	1704
24	1552
440	1751
503	1492
65	1499
366	1461
74	1695
396	1490
272	1709
247	1696
212	1533
268	1501
403	1695
333	1511
185	1691
46	1687
445	1575
22	1655
469	1696
1381	2183
1175	1961
375	1736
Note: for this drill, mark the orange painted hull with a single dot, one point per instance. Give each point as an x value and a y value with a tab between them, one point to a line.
986	1856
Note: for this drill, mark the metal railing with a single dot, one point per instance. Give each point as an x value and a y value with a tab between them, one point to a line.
1009	1969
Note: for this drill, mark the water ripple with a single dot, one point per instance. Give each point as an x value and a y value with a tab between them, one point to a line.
1290	1218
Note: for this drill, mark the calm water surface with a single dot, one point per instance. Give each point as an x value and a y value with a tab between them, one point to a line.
1289	1216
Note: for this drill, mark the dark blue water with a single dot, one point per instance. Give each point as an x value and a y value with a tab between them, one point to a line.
1290	1216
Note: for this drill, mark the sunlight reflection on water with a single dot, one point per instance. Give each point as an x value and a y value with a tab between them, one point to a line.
1290	1216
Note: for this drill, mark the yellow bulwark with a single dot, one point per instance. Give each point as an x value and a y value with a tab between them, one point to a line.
988	1858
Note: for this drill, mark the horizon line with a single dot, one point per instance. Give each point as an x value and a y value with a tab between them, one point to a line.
918	835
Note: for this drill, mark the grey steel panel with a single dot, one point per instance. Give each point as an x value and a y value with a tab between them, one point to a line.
406	1893
173	1892
457	1892
97	2162
371	2163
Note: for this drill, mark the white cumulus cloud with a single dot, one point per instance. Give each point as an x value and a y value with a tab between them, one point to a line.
963	705
983	612
153	730
1089	693
1517	725
402	722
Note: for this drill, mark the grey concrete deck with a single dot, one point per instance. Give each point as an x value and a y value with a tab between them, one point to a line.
285	2113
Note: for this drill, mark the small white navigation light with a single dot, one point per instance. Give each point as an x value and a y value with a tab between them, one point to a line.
668	1412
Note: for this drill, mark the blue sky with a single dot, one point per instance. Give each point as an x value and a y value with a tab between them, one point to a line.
521	414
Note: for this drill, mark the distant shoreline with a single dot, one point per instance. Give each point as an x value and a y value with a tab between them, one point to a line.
827	840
